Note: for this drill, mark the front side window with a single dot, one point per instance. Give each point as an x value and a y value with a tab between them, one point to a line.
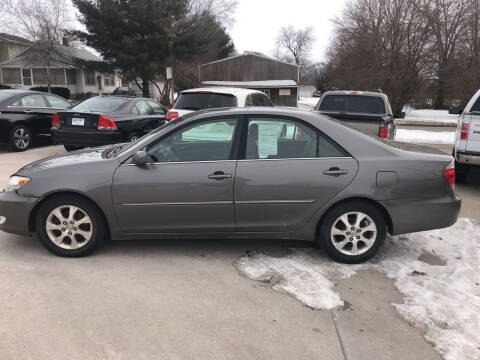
33	101
57	103
270	138
206	141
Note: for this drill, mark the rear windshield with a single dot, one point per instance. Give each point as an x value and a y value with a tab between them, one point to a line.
200	101
100	104
353	103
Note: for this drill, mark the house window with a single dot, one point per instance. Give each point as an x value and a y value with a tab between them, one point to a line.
71	76
27	77
90	78
11	76
57	76
109	80
40	76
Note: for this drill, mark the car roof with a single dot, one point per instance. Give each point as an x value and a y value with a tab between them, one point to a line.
20	91
223	90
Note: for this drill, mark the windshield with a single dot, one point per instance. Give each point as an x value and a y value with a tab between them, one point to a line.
353	103
100	104
146	138
204	100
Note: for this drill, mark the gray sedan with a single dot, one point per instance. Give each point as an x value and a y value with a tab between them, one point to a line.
236	173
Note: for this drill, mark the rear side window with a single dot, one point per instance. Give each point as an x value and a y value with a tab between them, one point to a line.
99	104
353	103
204	100
270	138
57	103
143	108
32	101
156	107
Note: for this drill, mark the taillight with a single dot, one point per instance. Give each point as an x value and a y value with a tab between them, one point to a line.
171	115
383	132
449	173
55	121
464	131
105	123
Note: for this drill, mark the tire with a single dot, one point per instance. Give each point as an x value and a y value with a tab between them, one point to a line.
63	238
20	138
332	230
133	136
72	147
461	172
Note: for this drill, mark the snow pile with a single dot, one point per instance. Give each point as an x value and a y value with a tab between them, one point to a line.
443	300
425	116
308	102
425	137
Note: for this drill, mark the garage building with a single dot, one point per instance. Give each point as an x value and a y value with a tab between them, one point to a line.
278	79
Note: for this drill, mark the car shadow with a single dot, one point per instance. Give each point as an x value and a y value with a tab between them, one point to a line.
37	143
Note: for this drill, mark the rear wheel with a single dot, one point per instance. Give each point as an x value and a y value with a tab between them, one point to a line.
352	232
70	226
133	136
20	138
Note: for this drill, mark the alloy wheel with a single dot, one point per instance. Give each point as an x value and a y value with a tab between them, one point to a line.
21	138
353	233
69	227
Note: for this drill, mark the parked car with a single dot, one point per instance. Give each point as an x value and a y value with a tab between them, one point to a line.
106	120
367	111
124	90
26	116
467	138
236	173
211	98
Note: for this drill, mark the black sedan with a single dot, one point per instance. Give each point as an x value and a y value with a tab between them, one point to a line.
106	120
27	115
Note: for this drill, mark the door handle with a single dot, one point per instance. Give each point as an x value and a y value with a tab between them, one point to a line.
219	175
27	111
335	171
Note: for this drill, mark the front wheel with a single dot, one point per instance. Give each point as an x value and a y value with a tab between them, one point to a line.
352	232
70	226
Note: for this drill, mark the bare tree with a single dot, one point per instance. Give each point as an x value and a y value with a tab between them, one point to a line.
44	22
222	10
294	44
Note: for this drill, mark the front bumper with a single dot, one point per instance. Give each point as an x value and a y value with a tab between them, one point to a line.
86	138
468	158
412	215
16	210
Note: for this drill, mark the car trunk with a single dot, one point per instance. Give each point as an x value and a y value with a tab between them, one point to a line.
81	121
473	139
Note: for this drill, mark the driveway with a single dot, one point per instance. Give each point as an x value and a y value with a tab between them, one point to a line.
174	299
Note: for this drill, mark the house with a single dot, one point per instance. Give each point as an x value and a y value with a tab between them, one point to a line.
278	79
23	66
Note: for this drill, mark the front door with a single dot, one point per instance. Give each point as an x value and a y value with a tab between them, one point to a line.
288	172
187	185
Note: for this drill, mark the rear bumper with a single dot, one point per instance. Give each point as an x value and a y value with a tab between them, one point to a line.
412	215
86	138
469	158
16	210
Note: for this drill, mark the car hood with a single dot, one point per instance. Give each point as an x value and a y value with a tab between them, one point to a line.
71	158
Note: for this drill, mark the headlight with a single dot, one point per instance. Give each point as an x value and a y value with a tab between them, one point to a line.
16	182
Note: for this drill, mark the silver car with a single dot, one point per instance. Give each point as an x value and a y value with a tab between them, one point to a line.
236	173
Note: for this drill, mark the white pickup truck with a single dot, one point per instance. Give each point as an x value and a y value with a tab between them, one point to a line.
467	139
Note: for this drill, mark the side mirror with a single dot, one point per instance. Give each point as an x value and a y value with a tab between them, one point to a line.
140	158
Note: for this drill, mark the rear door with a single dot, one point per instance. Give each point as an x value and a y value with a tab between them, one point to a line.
288	170
37	111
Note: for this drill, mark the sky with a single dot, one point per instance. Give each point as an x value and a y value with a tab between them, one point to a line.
258	22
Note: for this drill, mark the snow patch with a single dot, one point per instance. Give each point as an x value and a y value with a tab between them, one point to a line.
428	115
425	137
443	300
